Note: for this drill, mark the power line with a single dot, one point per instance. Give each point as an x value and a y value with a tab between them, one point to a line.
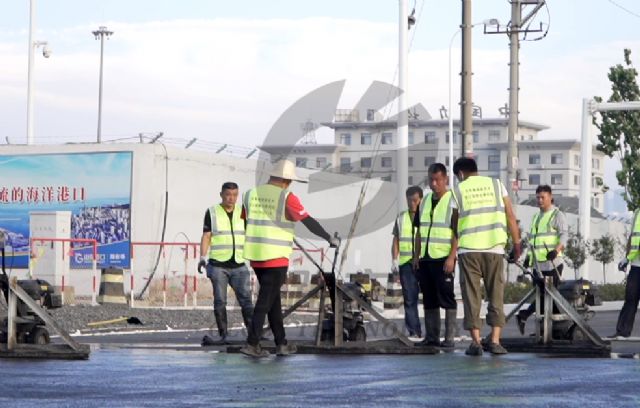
621	7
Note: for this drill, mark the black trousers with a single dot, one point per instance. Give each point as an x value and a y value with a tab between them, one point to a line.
436	285
556	281
631	298
268	305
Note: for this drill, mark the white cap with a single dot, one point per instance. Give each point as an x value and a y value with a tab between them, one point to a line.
285	169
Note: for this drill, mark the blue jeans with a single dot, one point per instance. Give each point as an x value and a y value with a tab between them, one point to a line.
238	279
410	292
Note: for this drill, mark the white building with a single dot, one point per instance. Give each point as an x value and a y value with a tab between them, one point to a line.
363	147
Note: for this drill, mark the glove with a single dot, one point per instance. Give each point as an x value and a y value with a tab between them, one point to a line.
622	265
334	242
202	264
395	266
527	262
552	255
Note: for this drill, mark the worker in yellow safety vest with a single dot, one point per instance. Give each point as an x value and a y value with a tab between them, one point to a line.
221	253
270	211
482	213
437	246
632	290
548	236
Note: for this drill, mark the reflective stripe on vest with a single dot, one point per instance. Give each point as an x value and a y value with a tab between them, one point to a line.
482	221
544	237
436	227
223	239
634	249
405	239
269	234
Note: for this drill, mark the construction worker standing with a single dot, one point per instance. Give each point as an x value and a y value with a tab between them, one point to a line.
482	212
632	290
548	236
437	248
221	251
405	230
271	211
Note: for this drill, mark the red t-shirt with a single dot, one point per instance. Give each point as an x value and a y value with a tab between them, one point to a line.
294	211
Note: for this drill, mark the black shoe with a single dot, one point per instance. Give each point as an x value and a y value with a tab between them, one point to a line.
521	322
448	344
474	349
497	349
428	343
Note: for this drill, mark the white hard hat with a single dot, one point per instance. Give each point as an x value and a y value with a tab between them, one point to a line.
285	169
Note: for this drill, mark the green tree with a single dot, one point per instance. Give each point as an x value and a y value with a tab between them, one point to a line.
575	253
620	130
603	250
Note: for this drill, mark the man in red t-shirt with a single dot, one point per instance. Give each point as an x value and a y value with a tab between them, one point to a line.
272	273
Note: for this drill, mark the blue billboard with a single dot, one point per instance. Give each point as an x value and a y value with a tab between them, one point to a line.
95	187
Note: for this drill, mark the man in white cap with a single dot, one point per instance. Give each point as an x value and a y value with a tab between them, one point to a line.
271	211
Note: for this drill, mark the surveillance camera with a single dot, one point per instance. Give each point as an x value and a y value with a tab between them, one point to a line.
46	52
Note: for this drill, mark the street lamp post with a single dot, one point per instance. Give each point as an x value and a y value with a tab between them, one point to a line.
101	33
46	52
489	22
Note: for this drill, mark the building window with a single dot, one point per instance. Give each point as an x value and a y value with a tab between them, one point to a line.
371	115
429	160
301	162
556	158
345	139
494	135
410	161
411	139
386	162
576	160
494	162
345	164
476	136
576	179
365	138
556	179
321	162
446	160
365	162
455	136
595	163
410	180
534	179
386	178
534	158
429	137
387	138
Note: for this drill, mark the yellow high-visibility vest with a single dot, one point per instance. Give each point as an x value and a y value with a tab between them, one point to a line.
544	237
437	226
224	241
405	238
634	250
269	234
482	221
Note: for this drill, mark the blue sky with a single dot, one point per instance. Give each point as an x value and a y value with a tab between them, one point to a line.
224	71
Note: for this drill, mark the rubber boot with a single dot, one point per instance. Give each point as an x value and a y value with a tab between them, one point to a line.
221	322
450	328
432	327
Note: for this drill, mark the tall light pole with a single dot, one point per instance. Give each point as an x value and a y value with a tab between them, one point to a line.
101	33
489	22
46	52
402	142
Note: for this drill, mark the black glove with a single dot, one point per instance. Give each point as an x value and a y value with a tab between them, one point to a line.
202	264
527	262
552	255
622	266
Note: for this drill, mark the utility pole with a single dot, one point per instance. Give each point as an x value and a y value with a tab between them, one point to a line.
101	33
513	30
466	102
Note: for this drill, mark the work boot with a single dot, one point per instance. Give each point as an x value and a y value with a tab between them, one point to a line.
221	322
474	349
496	349
432	327
450	328
254	351
286	349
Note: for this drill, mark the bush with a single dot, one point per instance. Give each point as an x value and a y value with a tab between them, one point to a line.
611	291
514	292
